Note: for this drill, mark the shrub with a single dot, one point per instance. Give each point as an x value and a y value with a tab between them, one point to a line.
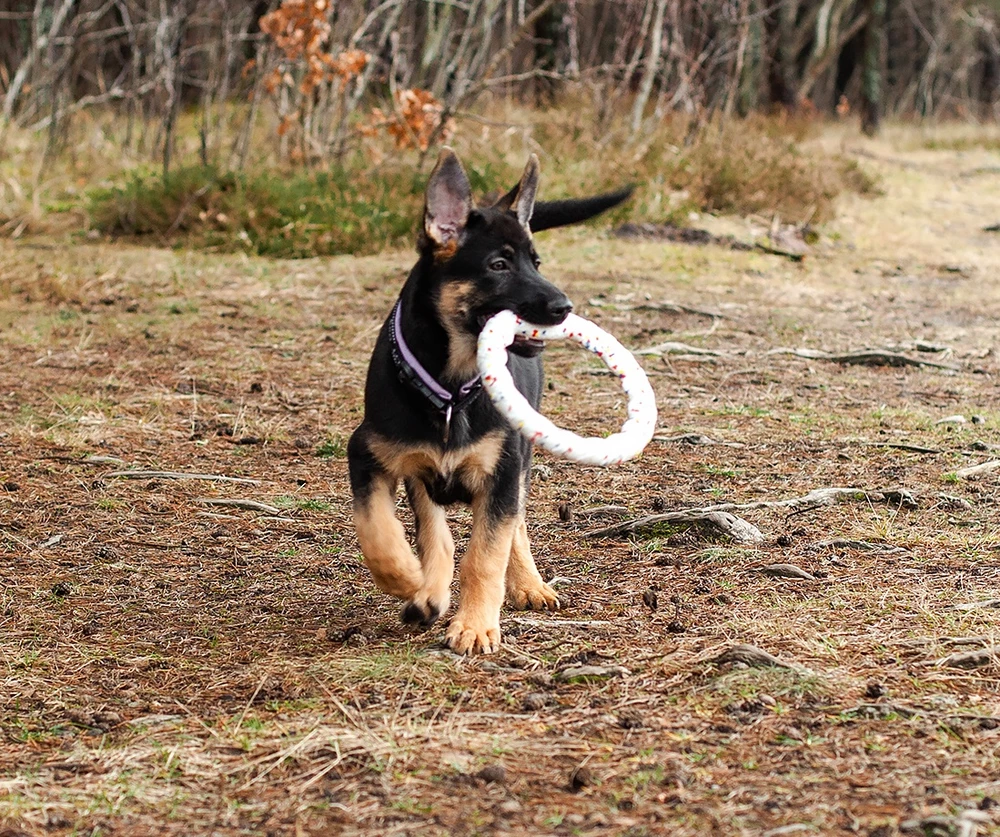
291	215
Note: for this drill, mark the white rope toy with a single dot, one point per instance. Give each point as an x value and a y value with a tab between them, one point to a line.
498	334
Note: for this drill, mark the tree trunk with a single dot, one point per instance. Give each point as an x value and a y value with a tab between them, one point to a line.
873	68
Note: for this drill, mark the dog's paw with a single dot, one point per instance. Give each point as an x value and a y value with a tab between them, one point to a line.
470	638
540	597
423	609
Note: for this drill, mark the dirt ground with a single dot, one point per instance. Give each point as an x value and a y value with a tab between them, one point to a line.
175	665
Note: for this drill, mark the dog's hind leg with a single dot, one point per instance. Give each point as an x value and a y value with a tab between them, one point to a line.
525	588
436	549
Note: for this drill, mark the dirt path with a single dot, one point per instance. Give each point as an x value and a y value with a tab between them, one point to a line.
175	666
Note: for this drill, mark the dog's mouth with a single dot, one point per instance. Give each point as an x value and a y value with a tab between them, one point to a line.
522	346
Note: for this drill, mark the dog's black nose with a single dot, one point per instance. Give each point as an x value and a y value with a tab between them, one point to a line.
557	309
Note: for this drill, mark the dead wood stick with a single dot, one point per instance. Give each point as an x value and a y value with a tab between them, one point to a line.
822	497
972	659
177	475
903	446
250	505
864	357
673	348
556	622
975	471
717	522
734	526
876	709
991	604
674	307
860	546
750	655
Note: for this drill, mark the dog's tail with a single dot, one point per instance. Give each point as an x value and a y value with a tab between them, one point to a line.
549	214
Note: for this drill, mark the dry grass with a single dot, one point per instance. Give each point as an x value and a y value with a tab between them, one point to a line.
756	165
174	667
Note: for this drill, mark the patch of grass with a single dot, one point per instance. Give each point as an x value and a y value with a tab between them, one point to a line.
965	142
270	213
334	447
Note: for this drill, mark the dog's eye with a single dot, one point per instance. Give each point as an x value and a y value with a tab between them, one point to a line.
537	262
499	265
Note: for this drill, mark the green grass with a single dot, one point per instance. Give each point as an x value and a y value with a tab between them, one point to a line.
270	213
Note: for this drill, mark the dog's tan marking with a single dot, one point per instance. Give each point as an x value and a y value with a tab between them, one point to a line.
476	626
525	588
383	541
445	252
436	549
475	462
453	311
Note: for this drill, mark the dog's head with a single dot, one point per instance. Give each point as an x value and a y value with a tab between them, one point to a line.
484	258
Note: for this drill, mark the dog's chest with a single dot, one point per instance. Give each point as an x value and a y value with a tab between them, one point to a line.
468	466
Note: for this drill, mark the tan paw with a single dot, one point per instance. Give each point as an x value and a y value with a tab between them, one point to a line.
469	638
539	597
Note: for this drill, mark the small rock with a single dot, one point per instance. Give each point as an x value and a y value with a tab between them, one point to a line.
767	700
874	690
493	774
580	778
565	512
978	420
787	571
649	598
542	472
784	540
356	640
750	655
534	701
631	719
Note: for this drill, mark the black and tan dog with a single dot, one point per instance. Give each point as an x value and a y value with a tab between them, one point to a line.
428	424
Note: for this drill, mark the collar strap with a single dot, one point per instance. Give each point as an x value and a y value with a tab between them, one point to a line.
412	371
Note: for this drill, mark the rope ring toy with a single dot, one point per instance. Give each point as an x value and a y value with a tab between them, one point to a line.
498	334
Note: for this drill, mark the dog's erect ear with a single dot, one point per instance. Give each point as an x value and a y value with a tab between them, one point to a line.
448	201
521	199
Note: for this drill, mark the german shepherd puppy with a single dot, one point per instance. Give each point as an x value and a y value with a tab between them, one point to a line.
428	423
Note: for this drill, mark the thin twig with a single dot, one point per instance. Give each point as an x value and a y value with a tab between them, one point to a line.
177	475
250	505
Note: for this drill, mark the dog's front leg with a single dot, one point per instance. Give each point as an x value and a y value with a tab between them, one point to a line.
381	536
475	627
437	557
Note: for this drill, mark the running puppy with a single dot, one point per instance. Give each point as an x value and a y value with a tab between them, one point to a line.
428	423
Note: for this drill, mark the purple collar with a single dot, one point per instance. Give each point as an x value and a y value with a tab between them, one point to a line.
412	372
